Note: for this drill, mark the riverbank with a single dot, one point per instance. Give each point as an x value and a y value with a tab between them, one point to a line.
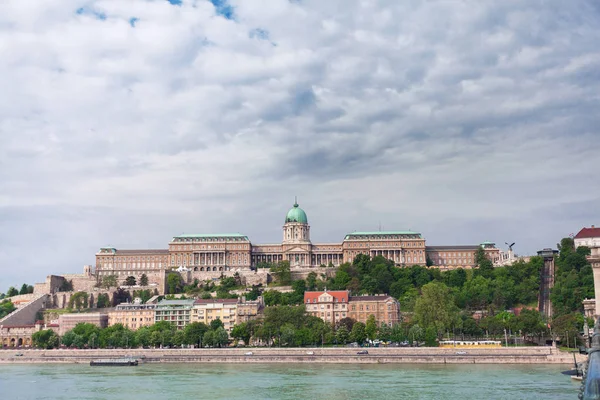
345	355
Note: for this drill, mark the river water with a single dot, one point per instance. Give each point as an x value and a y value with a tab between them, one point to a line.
285	381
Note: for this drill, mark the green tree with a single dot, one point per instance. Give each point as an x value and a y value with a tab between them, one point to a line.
6	307
221	337
103	301
208	340
485	267
12	292
272	298
216	324
25	289
144	280
342	334
282	273
178	338
78	301
416	334
311	281
143	336
358	333
436	308
66	286
530	322
45	339
385	332
144	295
130	281
241	332
573	278
174	283
371	328
253	293
109	281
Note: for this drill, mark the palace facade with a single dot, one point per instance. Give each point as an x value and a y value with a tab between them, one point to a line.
235	252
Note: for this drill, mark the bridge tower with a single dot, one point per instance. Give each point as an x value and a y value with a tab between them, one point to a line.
546	281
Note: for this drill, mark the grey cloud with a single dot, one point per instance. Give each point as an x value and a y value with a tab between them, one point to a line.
452	118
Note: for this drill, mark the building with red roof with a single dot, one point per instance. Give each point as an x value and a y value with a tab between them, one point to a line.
589	237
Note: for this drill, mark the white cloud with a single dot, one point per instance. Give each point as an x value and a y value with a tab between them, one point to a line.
465	120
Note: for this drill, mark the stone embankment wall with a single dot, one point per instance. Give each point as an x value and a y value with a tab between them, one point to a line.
523	355
21	299
26	314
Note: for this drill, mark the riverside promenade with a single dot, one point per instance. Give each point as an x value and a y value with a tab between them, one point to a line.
339	355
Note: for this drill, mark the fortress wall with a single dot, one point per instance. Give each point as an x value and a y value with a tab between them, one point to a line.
26	314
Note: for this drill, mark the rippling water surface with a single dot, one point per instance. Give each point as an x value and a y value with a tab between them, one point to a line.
286	381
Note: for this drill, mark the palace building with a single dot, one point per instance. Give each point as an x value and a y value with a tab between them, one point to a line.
235	252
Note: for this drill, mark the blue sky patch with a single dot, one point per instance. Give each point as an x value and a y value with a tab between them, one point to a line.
132	21
223	8
259	33
175	2
88	11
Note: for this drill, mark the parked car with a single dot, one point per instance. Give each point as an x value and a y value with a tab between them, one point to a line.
310	353
460	353
362	352
19	355
249	353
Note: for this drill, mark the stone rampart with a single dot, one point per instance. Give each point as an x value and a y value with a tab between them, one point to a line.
21	300
26	314
518	355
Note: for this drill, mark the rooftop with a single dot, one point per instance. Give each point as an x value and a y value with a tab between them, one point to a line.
384	233
151	251
379	297
341	296
185	302
586	233
210	235
447	248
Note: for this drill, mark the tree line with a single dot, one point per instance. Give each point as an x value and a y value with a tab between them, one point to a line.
161	334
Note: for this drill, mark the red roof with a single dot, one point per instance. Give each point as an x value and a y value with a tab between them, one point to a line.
340	296
588	233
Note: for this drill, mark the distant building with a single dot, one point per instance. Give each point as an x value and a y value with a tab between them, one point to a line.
216	253
20	335
589	237
177	312
208	310
66	322
385	308
230	311
461	256
132	315
332	306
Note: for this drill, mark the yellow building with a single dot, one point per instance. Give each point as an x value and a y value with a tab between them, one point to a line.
132	315
229	311
208	310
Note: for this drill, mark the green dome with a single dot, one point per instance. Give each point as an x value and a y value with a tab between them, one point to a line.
296	214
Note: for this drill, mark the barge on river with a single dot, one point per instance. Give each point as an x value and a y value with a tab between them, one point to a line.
114	362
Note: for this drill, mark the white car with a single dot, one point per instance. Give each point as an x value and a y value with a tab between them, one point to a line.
249	353
460	353
310	353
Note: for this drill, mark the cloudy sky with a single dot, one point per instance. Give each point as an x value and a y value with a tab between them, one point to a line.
124	123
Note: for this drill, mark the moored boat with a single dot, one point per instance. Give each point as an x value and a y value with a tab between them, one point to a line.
114	362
